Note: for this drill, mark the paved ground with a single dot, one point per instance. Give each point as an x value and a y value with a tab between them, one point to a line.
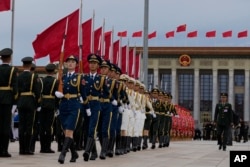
179	154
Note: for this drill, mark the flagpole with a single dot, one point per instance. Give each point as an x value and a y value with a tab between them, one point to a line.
80	39
102	40
127	55
92	34
12	27
145	43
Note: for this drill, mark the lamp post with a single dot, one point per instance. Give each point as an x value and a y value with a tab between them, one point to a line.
145	43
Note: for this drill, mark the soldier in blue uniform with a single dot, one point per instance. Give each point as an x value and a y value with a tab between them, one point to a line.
107	100
95	84
69	108
223	118
28	99
8	91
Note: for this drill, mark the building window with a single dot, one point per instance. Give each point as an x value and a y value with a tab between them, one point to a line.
206	90
239	104
165	80
239	78
223	81
186	89
150	79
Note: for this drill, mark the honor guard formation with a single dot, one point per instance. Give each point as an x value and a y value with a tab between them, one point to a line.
78	110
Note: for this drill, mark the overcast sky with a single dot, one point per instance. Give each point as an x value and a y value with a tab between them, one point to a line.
34	16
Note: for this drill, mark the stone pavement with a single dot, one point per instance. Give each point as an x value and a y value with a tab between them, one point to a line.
178	154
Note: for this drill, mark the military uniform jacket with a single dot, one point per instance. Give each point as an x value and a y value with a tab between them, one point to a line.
107	90
28	83
8	84
156	105
50	85
223	114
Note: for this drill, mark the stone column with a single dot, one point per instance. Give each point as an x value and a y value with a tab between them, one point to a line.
215	91
231	88
196	105
246	97
174	86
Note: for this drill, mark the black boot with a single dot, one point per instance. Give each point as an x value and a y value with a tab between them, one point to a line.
27	150
139	143
42	143
94	154
118	145
48	144
105	142
21	144
110	151
153	142
66	145
145	142
74	154
88	148
128	143
134	143
5	145
160	141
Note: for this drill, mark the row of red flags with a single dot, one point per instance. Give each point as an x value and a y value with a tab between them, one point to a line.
62	36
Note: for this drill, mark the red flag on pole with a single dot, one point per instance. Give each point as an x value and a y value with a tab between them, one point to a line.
130	59
122	34
4	5
242	34
137	34
170	34
192	34
210	34
181	28
116	46
49	42
107	44
86	42
227	34
152	35
123	57
97	40
137	66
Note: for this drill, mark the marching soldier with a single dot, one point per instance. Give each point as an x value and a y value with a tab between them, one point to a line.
49	103
161	119
170	112
223	118
94	83
73	93
8	91
28	100
107	100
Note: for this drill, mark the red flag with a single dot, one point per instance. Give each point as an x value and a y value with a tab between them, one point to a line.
49	42
181	28
86	43
71	41
152	35
210	34
4	5
227	34
97	40
170	34
116	46
137	34
242	34
130	60
192	34
123	57
107	44
137	65
122	34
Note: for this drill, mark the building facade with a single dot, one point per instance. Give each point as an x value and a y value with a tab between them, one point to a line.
197	75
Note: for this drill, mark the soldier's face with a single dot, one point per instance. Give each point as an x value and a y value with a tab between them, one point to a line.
71	64
93	66
104	70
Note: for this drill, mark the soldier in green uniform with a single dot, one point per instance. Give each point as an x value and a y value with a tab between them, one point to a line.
223	118
49	103
8	90
28	100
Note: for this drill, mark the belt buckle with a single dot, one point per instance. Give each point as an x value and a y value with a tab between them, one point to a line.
67	96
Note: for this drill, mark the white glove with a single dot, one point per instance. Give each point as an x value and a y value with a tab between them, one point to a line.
57	112
154	115
59	94
120	109
38	109
171	114
143	111
81	100
151	112
129	106
177	116
114	102
88	112
13	109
